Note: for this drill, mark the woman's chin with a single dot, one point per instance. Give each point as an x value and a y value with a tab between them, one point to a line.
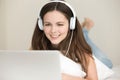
55	43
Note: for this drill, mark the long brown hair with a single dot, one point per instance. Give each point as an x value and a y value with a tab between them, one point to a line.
79	49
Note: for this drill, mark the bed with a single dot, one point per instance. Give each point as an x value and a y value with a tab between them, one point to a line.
116	75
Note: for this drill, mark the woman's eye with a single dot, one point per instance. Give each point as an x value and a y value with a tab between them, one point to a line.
60	24
46	24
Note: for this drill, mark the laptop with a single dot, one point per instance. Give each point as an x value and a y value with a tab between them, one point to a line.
30	65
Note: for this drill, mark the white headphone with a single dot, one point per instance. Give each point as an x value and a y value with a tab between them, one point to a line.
72	20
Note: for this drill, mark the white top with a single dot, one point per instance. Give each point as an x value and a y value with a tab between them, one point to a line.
70	67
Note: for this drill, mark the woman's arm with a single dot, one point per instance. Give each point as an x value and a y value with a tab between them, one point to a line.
91	75
92	71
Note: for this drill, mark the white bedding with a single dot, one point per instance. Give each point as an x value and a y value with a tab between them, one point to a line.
116	75
104	73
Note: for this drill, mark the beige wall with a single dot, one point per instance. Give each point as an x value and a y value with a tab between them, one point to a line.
18	18
2	25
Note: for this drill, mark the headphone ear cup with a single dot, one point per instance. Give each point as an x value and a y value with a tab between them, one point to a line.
40	24
72	23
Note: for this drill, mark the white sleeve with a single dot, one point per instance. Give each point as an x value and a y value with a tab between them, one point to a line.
70	67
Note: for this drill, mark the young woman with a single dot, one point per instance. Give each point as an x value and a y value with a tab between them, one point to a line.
58	29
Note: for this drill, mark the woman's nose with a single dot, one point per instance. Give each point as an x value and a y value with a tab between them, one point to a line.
53	29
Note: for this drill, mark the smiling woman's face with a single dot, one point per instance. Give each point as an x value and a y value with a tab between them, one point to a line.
56	26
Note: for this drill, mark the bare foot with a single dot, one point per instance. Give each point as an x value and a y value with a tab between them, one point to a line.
88	23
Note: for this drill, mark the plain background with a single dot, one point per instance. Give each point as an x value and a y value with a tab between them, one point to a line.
18	19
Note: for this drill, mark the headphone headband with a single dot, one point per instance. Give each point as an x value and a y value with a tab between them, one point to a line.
72	20
74	14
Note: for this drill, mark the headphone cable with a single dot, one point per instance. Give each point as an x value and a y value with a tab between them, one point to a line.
69	43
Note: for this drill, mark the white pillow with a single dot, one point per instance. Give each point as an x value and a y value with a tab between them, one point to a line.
102	70
68	66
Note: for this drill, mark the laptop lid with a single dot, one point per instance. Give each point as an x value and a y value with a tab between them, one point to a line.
30	65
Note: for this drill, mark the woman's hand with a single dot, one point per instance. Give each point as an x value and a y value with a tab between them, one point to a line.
70	77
